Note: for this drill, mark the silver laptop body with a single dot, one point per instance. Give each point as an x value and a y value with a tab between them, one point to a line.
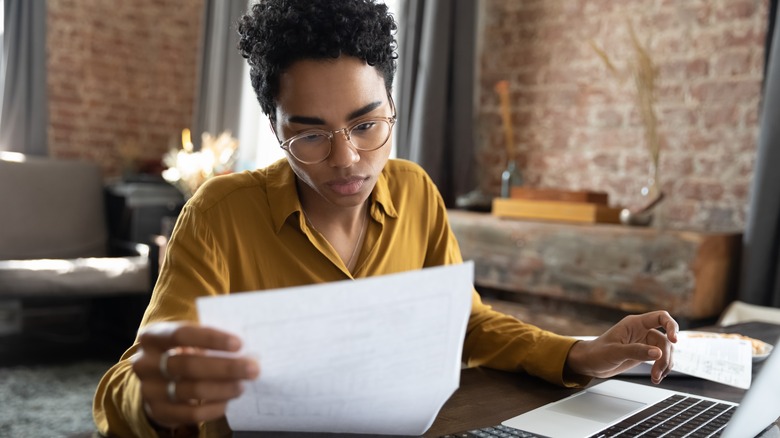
597	408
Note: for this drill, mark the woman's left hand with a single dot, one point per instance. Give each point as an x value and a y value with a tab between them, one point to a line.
633	340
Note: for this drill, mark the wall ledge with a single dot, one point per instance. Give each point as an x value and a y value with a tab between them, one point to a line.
692	274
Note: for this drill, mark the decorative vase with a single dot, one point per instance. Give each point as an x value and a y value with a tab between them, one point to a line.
647	213
653	188
511	177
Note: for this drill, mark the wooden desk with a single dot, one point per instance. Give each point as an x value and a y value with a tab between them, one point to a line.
487	397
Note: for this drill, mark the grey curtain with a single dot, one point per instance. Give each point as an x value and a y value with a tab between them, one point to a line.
770	31
436	104
218	97
761	261
24	115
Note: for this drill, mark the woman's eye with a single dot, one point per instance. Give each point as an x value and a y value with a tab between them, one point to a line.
365	126
311	138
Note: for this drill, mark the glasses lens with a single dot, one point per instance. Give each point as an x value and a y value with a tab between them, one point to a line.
367	135
311	148
370	134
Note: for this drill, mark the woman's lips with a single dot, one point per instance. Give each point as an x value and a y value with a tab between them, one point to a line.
347	186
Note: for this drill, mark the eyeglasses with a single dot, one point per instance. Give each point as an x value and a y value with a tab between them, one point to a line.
314	146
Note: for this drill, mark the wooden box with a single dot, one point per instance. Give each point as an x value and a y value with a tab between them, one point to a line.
540	194
555	210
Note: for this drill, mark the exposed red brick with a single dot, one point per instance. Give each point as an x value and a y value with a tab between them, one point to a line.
580	126
120	73
732	63
678	116
608	118
674	164
740	36
702	190
678	70
607	162
715	115
731	10
679	212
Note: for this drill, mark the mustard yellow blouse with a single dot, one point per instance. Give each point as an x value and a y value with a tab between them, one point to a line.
246	232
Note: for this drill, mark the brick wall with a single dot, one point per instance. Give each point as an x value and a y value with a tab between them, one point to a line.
577	126
122	86
121	78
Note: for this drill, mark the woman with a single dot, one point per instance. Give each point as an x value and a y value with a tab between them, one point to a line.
336	208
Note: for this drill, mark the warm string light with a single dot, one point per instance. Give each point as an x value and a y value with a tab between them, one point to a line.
186	140
189	169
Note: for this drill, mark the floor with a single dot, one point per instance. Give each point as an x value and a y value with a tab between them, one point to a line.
78	330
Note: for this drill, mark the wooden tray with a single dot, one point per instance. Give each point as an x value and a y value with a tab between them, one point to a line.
555	210
539	194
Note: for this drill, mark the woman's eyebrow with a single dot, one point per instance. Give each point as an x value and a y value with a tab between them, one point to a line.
365	110
307	120
304	120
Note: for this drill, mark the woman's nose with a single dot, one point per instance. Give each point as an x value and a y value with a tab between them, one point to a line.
342	152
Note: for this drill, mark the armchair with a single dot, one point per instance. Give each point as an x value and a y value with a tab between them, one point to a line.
54	241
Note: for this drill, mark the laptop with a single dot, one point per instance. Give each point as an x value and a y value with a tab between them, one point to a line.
619	408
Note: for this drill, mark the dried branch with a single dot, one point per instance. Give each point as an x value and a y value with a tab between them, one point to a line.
644	77
605	58
644	74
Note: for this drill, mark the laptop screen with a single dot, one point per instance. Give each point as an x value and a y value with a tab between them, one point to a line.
761	405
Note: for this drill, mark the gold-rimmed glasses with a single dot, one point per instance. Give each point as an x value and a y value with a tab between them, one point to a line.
368	134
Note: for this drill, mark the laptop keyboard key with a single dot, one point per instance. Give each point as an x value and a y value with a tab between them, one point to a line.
499	431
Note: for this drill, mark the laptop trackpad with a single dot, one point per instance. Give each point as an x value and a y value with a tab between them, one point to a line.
596	407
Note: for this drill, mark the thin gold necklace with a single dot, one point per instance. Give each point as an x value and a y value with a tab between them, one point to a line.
359	239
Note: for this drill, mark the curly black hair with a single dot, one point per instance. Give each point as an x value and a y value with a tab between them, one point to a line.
277	33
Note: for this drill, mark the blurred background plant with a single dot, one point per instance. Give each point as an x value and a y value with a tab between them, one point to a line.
188	169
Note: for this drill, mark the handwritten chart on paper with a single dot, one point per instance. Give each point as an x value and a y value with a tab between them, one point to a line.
378	355
727	361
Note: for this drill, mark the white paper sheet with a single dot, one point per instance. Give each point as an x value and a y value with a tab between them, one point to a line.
378	355
723	360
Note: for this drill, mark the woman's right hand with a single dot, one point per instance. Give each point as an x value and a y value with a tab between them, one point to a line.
183	381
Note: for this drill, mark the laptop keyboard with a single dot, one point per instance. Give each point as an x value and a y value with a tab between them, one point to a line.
499	431
676	416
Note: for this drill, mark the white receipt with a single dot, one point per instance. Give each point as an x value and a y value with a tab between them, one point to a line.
379	355
723	360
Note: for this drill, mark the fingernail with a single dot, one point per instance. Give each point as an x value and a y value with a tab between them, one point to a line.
653	353
234	343
251	369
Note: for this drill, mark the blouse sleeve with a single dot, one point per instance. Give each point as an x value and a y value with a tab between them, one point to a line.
193	267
